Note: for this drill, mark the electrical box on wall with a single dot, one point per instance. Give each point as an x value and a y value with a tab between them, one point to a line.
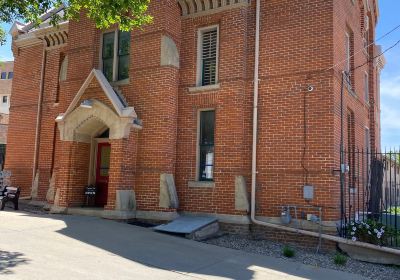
308	192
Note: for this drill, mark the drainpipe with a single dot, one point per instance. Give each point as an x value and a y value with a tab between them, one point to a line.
254	165
39	116
255	116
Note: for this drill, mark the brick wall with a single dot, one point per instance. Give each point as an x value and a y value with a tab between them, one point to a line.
6	84
23	111
296	50
229	103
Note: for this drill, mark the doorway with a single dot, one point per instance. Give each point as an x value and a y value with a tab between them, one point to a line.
102	172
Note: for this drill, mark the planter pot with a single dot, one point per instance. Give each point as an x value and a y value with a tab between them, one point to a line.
370	255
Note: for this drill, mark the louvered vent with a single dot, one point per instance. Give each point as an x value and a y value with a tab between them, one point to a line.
209	57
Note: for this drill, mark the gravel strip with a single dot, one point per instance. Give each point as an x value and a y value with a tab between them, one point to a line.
309	257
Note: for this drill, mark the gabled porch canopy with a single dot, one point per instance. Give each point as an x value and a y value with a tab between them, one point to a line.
89	114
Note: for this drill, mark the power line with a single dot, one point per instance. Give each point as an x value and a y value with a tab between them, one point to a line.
362	49
372	59
369	60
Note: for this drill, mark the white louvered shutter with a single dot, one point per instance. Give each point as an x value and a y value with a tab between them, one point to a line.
209	57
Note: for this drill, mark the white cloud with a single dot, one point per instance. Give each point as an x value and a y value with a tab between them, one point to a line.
390	118
390	87
6	58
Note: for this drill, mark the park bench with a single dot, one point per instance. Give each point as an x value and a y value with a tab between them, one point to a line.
9	194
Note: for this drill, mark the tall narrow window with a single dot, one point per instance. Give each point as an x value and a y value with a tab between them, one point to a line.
115	55
366	33
367	140
62	76
351	152
366	41
108	55
208	56
349	56
124	45
366	87
347	50
206	145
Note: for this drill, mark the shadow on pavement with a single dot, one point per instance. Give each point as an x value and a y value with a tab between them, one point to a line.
9	260
176	254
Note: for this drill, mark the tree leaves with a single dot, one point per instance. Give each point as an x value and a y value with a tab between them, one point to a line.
128	14
2	37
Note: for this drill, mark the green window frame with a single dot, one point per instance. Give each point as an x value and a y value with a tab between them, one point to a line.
124	40
206	145
116	55
108	55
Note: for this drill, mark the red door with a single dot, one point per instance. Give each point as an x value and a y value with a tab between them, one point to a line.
102	170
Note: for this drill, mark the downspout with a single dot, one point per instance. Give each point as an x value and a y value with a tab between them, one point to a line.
255	117
342	169
254	164
38	118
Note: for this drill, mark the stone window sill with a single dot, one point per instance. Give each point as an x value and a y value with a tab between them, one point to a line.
204	88
121	82
351	91
201	184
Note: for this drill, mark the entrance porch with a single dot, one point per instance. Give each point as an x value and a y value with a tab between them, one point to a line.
98	143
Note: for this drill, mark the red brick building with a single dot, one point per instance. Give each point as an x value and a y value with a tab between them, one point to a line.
6	76
161	119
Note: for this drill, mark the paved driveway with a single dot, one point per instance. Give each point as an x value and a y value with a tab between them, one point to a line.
75	247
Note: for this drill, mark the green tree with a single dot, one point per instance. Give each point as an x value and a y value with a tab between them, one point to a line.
128	14
2	37
394	156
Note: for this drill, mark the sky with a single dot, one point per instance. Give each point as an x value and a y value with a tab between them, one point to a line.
5	51
390	79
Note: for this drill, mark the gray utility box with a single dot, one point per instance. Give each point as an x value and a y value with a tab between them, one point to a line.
308	192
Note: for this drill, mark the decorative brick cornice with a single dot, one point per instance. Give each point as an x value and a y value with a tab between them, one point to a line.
193	8
55	39
50	36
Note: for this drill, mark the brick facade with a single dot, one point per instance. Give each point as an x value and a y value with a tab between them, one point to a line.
6	72
300	42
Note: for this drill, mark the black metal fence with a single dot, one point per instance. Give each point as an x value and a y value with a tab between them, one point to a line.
370	196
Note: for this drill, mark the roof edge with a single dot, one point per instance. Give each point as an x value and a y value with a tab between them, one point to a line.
121	110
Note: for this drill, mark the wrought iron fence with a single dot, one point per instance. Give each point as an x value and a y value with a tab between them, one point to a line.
370	196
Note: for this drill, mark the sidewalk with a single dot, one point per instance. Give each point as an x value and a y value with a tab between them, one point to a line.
75	247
